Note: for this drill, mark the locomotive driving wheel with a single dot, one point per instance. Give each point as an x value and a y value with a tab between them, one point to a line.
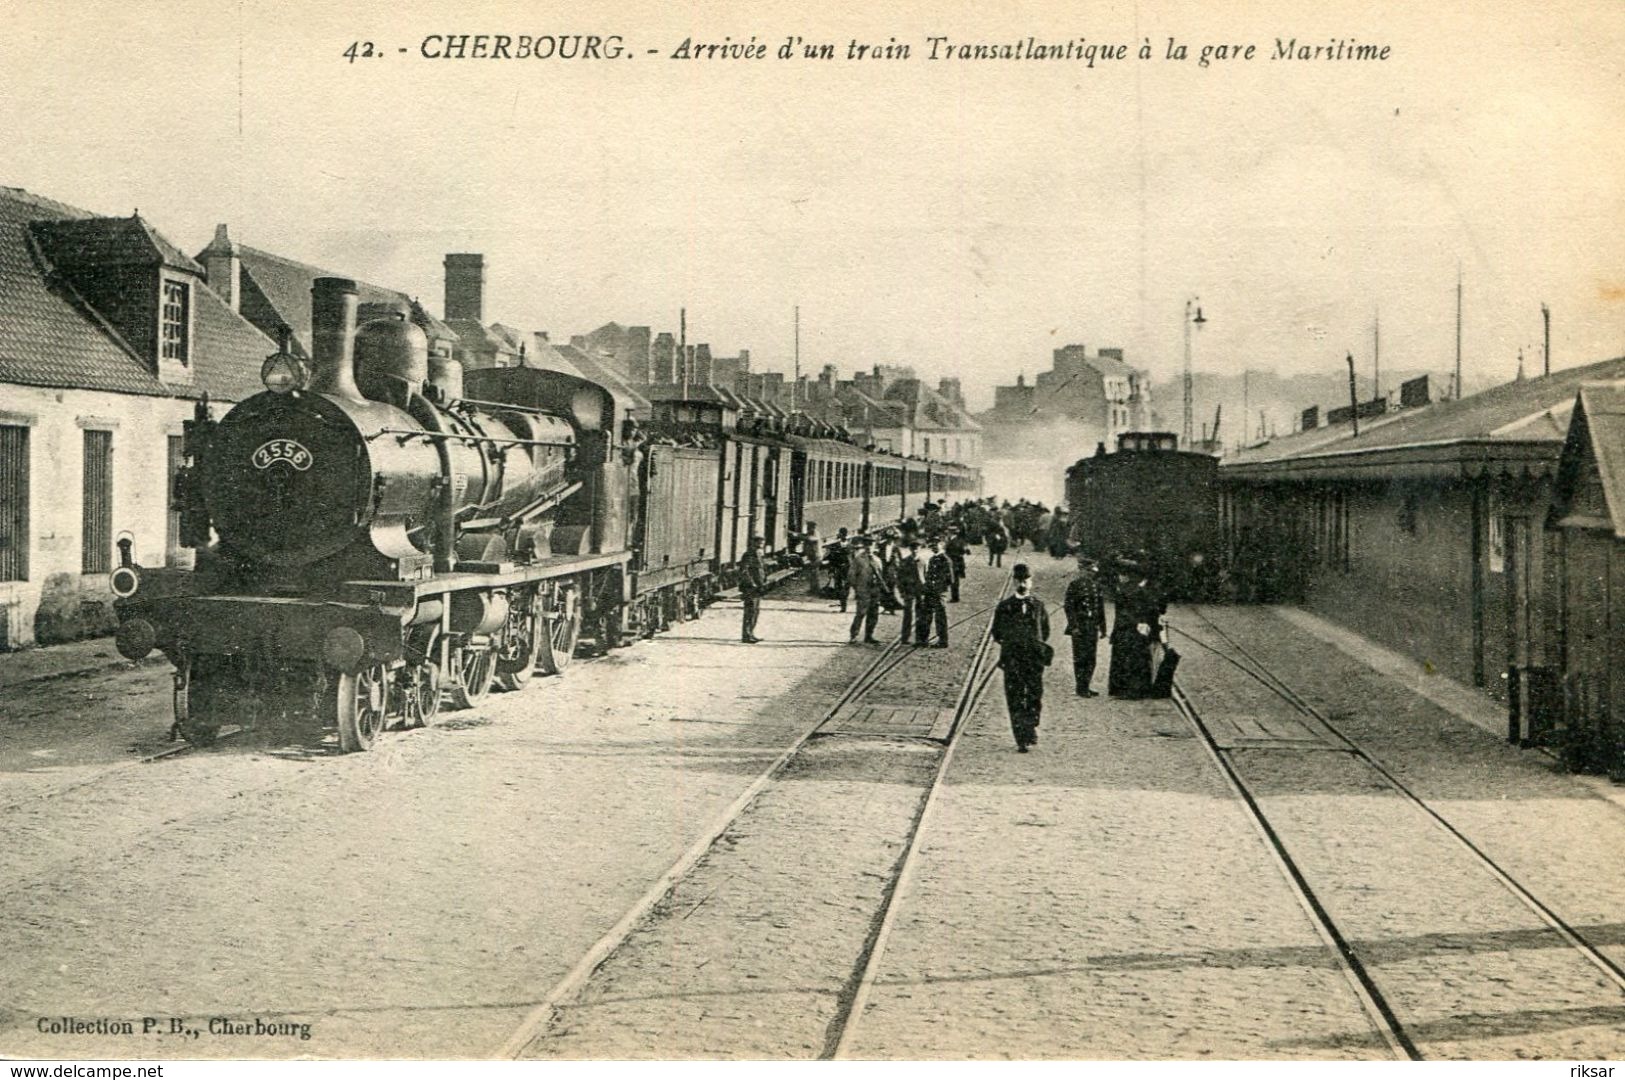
521	642
562	622
473	667
361	703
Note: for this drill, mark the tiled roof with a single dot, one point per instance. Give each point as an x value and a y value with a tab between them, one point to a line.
227	350
592	369
74	244
48	336
476	335
1524	419
927	410
277	290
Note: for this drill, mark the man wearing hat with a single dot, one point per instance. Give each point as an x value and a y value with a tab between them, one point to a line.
864	574
1021	628
939	575
911	589
1085	623
752	584
1134	631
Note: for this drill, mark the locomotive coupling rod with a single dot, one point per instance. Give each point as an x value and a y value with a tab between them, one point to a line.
406	435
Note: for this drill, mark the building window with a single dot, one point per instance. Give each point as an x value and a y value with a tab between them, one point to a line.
176	320
98	517
13	503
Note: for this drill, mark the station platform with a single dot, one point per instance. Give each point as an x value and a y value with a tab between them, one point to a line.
1111	895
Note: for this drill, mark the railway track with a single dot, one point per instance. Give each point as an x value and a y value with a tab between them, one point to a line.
1368	986
851	999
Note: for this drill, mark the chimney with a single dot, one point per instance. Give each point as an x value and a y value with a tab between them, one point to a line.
949	389
465	287
663	359
332	337
223	269
702	364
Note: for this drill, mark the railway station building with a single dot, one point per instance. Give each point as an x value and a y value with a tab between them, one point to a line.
1426	531
109	334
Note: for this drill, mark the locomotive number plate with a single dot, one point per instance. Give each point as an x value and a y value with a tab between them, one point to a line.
282	452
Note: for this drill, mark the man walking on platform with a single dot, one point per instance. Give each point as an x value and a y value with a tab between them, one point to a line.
939	575
863	570
1021	628
957	550
910	584
1085	624
752	584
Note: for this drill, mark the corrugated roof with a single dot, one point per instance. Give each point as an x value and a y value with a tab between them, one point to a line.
48	335
1522	420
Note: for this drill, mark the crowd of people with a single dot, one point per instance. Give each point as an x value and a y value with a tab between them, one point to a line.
914	569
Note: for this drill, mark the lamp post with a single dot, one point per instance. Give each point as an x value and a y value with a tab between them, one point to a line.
1190	320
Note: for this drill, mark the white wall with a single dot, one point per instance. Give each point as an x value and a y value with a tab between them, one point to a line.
57	420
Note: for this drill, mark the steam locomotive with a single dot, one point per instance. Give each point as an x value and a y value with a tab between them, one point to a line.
1153	504
379	530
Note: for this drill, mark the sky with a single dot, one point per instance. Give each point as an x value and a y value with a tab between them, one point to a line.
965	217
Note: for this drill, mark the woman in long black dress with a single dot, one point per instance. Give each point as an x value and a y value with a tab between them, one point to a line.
1140	609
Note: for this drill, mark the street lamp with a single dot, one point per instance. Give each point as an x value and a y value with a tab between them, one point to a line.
1190	320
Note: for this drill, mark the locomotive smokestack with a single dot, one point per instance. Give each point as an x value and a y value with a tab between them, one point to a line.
332	337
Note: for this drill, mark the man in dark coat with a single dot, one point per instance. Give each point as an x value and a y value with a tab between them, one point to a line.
1085	624
839	557
910	584
939	575
957	550
1021	628
998	539
752	584
1134	631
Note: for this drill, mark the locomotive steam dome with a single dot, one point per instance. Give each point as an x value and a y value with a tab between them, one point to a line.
391	358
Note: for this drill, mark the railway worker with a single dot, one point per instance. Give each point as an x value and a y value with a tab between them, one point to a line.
1135	630
864	572
838	558
889	558
1085	624
939	575
752	584
910	586
998	539
812	553
957	550
1021	628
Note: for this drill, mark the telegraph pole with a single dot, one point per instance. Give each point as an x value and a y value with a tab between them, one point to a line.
1354	397
1376	356
682	347
1458	331
1189	431
1546	318
797	381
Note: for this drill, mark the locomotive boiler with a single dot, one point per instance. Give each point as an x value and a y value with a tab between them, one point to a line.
369	529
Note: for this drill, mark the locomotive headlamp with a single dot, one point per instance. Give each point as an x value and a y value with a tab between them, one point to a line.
124	581
283	372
